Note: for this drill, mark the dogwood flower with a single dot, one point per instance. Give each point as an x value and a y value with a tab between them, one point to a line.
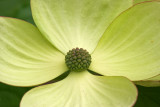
109	37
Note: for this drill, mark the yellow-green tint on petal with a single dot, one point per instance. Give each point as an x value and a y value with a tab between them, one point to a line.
75	23
26	57
82	89
148	83
139	1
155	78
151	82
130	46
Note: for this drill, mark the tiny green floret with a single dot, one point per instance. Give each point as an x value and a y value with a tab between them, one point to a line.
78	59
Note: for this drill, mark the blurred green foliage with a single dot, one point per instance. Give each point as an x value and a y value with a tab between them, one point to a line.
148	97
17	9
10	96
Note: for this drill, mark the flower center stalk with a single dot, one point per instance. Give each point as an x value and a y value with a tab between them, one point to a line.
78	59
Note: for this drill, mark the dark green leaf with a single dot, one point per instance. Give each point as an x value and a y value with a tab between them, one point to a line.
10	96
148	97
17	9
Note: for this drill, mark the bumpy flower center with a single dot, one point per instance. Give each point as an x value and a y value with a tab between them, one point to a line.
78	59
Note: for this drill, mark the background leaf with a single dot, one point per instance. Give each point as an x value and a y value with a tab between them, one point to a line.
17	9
148	97
10	96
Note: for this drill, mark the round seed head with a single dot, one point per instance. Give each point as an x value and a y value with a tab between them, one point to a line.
78	59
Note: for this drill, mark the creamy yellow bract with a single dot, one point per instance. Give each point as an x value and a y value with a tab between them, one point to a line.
122	39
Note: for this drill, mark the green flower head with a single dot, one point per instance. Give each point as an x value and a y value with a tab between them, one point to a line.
115	39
